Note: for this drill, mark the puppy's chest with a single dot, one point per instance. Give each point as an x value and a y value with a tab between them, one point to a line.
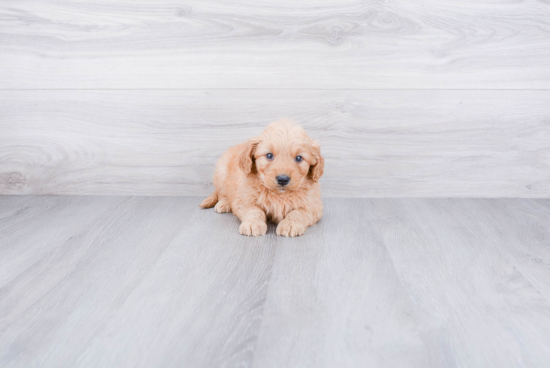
277	207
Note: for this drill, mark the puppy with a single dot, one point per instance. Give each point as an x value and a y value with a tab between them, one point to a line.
273	177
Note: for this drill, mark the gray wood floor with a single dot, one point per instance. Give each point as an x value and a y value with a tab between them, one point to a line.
155	282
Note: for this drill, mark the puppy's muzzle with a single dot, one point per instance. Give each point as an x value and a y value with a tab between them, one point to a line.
283	180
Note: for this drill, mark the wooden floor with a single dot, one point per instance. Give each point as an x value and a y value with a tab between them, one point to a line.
89	281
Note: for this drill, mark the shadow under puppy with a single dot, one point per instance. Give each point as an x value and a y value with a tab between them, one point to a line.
273	177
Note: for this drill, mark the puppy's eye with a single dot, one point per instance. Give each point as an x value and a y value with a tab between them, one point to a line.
298	159
269	156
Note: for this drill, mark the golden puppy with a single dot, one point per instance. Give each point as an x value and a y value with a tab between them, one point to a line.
273	177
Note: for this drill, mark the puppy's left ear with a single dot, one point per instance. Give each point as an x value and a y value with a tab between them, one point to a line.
318	162
246	160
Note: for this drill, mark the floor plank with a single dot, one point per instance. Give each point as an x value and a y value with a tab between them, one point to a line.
105	279
202	300
335	299
332	44
149	281
527	244
38	228
10	205
476	298
97	274
375	143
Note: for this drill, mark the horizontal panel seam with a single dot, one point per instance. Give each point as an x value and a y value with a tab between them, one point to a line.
274	89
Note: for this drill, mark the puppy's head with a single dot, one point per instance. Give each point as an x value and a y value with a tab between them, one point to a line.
283	157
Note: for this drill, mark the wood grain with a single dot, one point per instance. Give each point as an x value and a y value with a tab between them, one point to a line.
203	299
376	143
156	281
64	310
527	245
335	300
36	229
329	44
473	295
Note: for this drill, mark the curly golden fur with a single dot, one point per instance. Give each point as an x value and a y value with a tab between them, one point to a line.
248	181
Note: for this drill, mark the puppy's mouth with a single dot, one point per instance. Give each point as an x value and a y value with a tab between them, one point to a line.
282	188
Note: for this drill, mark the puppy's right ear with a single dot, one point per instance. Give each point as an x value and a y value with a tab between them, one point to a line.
246	160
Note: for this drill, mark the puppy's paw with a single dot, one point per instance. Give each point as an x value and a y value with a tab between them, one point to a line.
222	207
253	228
290	228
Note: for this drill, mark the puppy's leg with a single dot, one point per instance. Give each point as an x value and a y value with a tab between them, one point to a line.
295	223
209	201
253	221
222	206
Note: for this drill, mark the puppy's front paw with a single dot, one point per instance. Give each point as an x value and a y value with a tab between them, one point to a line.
289	228
253	228
222	207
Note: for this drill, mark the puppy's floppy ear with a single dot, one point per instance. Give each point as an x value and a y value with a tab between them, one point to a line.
318	162
246	161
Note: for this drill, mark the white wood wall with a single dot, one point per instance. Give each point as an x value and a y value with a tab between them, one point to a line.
423	98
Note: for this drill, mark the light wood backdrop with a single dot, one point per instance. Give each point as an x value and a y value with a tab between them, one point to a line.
425	98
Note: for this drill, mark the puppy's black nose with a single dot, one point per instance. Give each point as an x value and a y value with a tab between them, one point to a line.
283	180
